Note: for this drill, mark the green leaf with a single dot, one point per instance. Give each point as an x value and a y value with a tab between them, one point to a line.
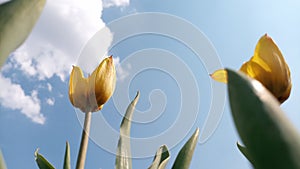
67	163
41	161
17	18
161	158
123	157
185	155
245	152
271	140
2	161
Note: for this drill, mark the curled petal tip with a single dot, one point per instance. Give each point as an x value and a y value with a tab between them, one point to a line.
219	75
111	59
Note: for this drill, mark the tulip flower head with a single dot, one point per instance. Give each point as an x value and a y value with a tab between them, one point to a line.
90	94
268	66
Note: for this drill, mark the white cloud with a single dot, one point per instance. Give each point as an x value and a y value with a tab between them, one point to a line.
50	101
12	96
118	3
60	34
95	50
23	61
52	48
49	87
6	67
63	29
122	72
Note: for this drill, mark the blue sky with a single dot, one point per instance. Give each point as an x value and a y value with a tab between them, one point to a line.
34	105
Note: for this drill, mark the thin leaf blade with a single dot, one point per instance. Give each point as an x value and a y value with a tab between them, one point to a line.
42	162
2	161
67	161
161	158
185	155
245	152
17	18
123	157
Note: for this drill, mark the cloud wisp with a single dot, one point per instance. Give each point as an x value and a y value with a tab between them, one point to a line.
117	3
14	97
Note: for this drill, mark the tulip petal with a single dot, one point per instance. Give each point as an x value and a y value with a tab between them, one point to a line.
256	71
105	81
269	67
220	75
78	89
91	95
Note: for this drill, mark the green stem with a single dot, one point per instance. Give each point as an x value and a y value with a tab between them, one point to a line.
84	141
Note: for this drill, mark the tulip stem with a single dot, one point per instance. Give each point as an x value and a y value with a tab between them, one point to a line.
84	141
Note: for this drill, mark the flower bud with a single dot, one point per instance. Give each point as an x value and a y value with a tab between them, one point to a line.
90	94
268	66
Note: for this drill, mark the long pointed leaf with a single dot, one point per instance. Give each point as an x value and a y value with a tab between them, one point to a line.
185	155
67	163
271	140
245	152
161	158
41	161
17	18
2	162
123	158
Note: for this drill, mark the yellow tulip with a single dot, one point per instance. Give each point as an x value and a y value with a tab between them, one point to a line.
268	66
90	94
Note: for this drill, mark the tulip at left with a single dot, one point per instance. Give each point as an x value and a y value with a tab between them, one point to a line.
91	93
